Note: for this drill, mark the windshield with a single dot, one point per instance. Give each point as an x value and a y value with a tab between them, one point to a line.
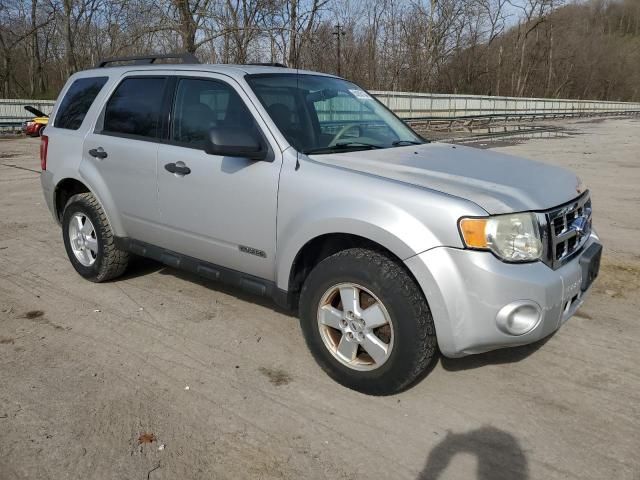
319	114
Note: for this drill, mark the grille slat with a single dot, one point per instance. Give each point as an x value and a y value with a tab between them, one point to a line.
570	226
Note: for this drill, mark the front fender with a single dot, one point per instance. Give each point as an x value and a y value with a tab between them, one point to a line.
378	221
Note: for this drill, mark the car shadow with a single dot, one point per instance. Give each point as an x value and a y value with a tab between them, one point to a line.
140	267
226	289
495	357
235	164
498	454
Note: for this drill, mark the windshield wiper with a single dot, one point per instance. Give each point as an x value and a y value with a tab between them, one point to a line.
357	144
399	143
344	146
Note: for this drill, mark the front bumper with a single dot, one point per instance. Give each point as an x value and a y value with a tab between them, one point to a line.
466	290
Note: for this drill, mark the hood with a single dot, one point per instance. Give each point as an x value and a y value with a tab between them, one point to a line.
35	111
497	182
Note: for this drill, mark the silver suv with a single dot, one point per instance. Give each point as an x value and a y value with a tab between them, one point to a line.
302	187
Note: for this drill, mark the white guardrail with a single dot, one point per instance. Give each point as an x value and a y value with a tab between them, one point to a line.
417	105
409	105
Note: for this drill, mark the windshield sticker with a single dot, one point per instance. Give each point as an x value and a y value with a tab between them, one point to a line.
361	94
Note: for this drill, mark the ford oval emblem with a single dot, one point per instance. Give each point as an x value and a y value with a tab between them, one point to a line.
580	225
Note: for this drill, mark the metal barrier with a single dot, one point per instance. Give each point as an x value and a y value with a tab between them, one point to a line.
414	106
12	112
471	122
432	105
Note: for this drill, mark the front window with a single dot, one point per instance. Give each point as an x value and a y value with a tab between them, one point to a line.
319	114
201	105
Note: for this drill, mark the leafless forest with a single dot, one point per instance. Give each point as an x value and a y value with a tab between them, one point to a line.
546	48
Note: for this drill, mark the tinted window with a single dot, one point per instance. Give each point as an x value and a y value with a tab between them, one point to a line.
77	101
135	108
201	105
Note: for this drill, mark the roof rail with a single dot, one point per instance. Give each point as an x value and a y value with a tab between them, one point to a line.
149	59
269	64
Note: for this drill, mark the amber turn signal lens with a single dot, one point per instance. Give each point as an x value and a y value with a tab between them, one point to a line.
473	232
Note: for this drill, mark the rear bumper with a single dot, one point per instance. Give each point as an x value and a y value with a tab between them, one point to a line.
467	290
46	180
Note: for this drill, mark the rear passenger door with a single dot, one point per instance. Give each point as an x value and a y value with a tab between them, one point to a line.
224	210
123	148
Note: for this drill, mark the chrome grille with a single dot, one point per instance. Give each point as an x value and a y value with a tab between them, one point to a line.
569	229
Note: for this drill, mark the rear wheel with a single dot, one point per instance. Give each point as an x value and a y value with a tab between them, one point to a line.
366	322
89	240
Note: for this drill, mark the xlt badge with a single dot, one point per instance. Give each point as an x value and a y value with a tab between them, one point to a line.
253	251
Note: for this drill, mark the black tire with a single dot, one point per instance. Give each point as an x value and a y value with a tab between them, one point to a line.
110	261
414	336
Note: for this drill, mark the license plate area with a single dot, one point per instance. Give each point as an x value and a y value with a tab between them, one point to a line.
590	264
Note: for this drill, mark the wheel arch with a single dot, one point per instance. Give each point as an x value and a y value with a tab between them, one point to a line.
68	186
373	223
316	249
64	190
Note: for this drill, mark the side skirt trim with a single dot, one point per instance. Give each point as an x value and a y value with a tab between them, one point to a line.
249	283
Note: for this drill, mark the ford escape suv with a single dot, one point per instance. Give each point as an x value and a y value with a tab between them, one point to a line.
302	187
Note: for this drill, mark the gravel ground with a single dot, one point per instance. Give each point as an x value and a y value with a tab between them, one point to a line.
87	370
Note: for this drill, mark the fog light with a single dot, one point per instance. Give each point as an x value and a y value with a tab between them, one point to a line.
519	318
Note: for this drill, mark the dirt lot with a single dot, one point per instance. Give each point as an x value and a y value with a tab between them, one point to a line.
86	369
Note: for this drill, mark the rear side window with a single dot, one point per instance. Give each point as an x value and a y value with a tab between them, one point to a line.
77	101
135	108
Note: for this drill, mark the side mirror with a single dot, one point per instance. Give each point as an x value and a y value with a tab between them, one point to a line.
234	142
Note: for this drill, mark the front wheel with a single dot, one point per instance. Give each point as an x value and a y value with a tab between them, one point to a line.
366	322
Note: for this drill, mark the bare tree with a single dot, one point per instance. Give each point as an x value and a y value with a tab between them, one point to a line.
569	48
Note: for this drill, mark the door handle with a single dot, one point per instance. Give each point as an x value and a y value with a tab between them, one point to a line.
98	153
177	168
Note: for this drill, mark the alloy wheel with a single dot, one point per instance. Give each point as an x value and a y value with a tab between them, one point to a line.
82	237
355	326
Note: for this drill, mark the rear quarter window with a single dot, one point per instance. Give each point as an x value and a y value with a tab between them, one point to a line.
77	101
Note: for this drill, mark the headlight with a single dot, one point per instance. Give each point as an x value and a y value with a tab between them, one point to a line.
513	238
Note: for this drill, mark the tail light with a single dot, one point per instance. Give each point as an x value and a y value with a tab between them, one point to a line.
44	146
